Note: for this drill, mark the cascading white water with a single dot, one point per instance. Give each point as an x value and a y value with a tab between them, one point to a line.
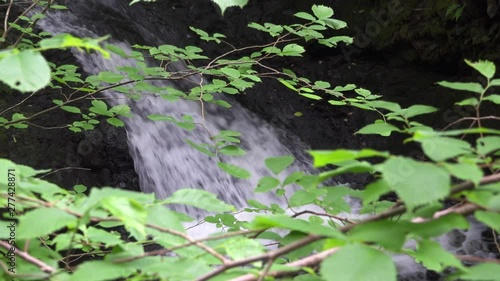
165	163
163	159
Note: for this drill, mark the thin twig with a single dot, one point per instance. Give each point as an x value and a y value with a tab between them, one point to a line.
6	20
304	262
266	270
171	249
478	259
322	215
65	168
491	117
495	239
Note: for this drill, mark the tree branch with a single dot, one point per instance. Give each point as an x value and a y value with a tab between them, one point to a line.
27	257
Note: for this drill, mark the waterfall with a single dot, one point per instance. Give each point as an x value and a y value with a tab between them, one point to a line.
163	160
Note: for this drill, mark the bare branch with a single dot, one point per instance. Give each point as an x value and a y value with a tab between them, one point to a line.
27	257
6	20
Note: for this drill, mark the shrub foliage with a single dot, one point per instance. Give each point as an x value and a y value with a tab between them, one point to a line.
49	233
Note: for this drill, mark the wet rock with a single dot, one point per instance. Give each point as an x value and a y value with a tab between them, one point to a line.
455	238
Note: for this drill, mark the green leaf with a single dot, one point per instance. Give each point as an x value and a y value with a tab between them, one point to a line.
306	16
373	191
442	148
200	148
482	272
486	68
232	150
388	234
199	198
115	122
493	98
487	145
66	40
334	102
234	171
489	218
31	225
224	4
231	72
110	77
358	262
463	86
25	71
322	12
293	50
322	158
130	211
465	171
303	197
353	167
383	129
286	222
391	106
242	247
292	178
287	84
107	271
122	109
311	96
434	257
335	24
71	109
322	85
416	183
441	225
418	109
278	164
100	105
105	237
495	82
266	184
470	101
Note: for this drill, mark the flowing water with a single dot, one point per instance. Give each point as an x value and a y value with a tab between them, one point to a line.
162	158
165	163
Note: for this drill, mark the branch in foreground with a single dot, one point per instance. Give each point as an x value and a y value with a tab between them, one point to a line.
465	209
27	257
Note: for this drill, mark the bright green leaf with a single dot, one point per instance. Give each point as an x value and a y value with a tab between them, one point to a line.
266	184
278	164
232	150
234	171
71	109
463	86
442	148
383	129
493	98
416	183
224	4
486	68
322	12
25	71
358	262
434	257
115	122
31	225
199	198
482	272
489	218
